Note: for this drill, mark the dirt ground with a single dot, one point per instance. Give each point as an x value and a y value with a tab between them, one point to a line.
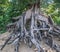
23	47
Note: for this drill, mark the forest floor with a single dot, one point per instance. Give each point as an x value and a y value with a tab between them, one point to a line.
23	47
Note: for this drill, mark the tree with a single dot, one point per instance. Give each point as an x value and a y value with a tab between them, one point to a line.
13	8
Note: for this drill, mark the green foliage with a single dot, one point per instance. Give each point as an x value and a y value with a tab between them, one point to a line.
54	11
57	1
12	8
9	9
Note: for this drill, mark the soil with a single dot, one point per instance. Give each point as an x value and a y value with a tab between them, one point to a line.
23	47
